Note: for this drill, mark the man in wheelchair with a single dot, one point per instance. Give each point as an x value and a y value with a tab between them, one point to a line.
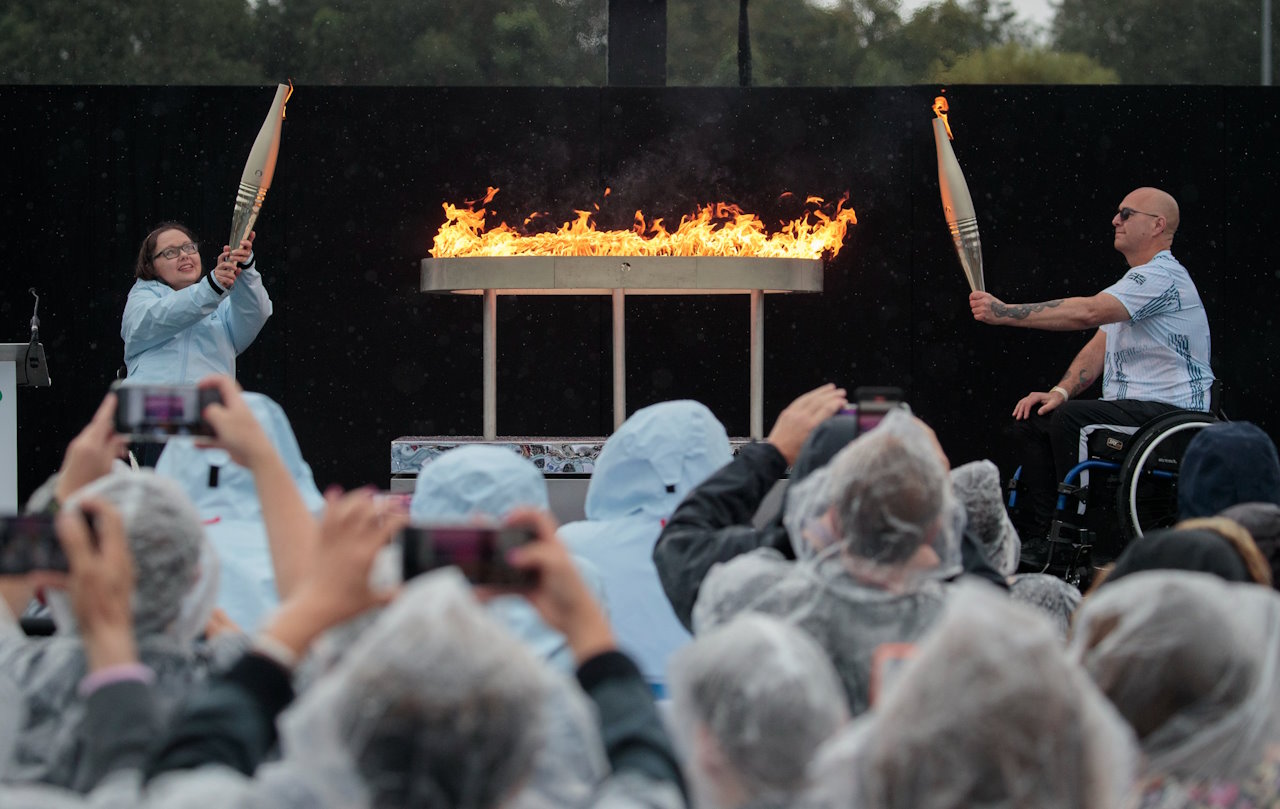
1151	350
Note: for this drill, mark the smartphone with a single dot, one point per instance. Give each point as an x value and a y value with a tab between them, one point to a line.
872	404
159	412
28	542
480	552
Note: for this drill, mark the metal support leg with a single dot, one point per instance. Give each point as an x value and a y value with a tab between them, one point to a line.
757	363
619	359
490	364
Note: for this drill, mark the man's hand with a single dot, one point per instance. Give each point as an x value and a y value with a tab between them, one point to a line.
91	453
235	428
800	417
982	303
561	597
336	585
101	581
1047	401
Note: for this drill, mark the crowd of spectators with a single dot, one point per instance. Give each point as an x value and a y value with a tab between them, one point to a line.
224	635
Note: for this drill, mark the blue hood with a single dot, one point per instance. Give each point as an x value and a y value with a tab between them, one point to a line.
1226	464
235	497
477	480
654	459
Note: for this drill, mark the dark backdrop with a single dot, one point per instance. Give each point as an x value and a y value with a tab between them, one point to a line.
358	356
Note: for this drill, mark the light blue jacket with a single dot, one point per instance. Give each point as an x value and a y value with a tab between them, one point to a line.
645	469
486	481
174	337
232	513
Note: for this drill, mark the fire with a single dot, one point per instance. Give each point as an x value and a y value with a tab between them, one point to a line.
717	229
940	110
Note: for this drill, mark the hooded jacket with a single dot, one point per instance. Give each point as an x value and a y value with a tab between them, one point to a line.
226	497
1225	464
175	337
645	469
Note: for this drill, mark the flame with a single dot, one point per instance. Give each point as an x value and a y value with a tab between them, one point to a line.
717	229
940	110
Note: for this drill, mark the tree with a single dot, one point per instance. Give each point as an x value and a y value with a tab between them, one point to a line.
1012	63
1160	42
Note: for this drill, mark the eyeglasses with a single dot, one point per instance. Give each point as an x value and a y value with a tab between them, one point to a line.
1125	213
173	252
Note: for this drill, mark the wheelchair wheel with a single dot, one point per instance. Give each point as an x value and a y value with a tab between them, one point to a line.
1147	497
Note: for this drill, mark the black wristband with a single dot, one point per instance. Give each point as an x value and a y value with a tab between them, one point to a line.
252	259
209	277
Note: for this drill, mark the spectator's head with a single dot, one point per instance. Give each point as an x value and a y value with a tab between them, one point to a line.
1190	661
1054	598
1262	521
434	706
222	488
176	572
990	712
1207	545
884	502
753	700
477	480
654	459
977	486
1225	464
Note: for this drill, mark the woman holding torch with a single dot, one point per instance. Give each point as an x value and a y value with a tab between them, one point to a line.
182	324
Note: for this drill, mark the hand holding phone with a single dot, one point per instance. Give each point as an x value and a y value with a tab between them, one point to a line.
29	543
159	412
480	552
872	404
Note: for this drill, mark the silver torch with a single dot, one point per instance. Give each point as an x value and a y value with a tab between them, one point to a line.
258	169
957	205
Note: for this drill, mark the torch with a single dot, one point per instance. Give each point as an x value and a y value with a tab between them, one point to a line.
258	169
957	205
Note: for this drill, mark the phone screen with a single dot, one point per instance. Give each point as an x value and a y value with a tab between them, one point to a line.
156	412
29	543
479	552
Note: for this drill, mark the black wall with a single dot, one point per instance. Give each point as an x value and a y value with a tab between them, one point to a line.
358	356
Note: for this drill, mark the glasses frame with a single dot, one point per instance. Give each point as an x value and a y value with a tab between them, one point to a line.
1125	213
190	248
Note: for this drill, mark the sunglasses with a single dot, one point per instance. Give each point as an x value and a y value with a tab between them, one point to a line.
1125	213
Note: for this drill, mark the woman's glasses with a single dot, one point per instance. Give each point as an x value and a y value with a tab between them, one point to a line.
193	247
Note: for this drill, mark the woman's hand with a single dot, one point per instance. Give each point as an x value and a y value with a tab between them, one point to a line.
235	428
233	262
101	581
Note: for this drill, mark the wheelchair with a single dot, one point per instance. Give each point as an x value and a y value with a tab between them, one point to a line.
1132	489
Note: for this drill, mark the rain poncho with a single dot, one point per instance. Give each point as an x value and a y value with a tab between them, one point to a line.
1198	550
752	701
1193	662
1225	464
977	487
1262	521
488	482
990	713
176	578
1057	599
434	706
646	468
874	531
227	499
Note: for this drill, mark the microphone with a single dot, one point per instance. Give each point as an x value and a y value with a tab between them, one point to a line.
35	316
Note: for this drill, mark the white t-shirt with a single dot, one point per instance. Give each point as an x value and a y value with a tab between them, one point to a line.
1161	354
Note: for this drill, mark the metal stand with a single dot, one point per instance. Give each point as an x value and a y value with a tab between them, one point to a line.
757	363
490	325
619	358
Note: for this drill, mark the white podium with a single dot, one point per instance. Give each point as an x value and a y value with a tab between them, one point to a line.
20	364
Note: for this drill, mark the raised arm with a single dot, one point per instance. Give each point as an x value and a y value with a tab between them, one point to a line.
248	305
1084	370
1062	314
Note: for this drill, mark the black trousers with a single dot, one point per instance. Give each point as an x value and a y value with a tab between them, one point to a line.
1050	445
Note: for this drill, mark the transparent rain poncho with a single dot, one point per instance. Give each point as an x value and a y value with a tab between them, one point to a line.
752	700
1193	662
12	716
1054	597
647	467
989	713
483	482
175	582
874	533
435	706
227	500
978	488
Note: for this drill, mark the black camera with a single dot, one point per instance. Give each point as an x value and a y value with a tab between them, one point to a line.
480	552
159	412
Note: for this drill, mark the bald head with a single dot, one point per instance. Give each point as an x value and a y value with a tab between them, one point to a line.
1156	201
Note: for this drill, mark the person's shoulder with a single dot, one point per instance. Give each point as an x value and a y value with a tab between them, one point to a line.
153	288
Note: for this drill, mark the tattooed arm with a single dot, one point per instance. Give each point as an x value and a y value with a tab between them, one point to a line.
1084	370
1063	314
